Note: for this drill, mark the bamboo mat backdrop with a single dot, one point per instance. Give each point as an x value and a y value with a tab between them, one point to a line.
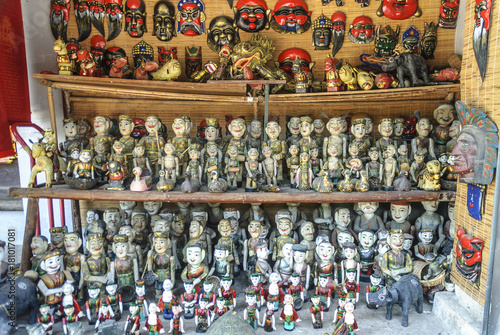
349	51
482	97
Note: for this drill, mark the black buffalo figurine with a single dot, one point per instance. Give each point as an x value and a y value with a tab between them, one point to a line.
407	65
25	300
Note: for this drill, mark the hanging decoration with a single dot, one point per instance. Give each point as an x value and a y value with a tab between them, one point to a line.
251	16
385	41
399	10
410	39
165	54
291	17
193	60
114	15
361	30
97	11
469	256
190	17
287	57
164	21
82	15
481	33
448	14
475	200
59	17
322	33
142	51
135	18
338	19
222	32
429	41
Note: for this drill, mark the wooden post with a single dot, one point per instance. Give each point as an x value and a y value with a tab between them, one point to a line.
29	232
52	110
75	209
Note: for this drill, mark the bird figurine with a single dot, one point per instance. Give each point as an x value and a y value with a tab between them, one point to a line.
401	183
164	185
190	185
346	185
216	184
170	71
362	184
322	183
140	183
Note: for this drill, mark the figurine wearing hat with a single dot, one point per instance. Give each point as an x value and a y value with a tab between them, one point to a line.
373	287
153	323
133	323
159	262
339	312
251	312
51	283
114	300
96	266
176	324
124	267
73	259
57	238
316	311
46	319
93	303
395	263
69	314
140	300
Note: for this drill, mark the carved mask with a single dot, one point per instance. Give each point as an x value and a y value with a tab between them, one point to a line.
59	17
221	32
399	10
469	255
338	19
448	14
361	30
291	17
411	39
114	14
97	47
164	21
112	54
190	17
322	33
385	41
82	15
72	46
97	11
165	55
193	60
135	18
429	41
288	56
251	15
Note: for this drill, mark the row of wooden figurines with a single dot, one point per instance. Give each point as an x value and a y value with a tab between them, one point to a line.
265	164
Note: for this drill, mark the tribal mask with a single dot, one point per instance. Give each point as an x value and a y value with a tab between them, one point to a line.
322	33
97	47
251	15
291	17
135	18
429	41
97	11
114	14
411	39
469	255
385	41
221	32
82	15
59	17
112	54
399	10
288	56
448	14
165	55
164	21
361	30
338	19
193	60
190	17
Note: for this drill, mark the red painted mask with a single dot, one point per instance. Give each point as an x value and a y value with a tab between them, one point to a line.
97	13
469	248
72	46
361	30
483	9
166	54
97	47
251	15
114	14
111	54
59	17
399	10
448	13
287	57
291	17
135	18
139	128
190	17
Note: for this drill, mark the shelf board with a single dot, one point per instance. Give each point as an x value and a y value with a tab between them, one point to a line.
285	195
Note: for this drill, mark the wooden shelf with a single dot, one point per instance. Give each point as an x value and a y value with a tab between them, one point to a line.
285	195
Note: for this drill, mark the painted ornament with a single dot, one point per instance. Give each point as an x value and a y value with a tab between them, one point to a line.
338	20
97	13
429	41
480	35
114	15
469	256
59	18
82	16
399	10
142	51
164	21
410	39
322	33
448	14
193	60
361	30
190	17
135	18
291	17
385	41
221	32
251	16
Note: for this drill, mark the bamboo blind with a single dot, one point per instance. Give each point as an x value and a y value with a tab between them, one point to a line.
350	51
482	97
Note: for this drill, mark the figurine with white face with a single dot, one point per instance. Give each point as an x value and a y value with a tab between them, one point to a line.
454	132
225	229
73	259
307	233
278	147
189	299
197	236
425	245
300	266
268	320
102	125
323	218
251	312
181	141
254	138
350	261
284	265
335	127
160	262
249	256
152	143
395	263
112	218
152	207
51	284
284	230
385	129
124	268
400	211
318	138
324	291
430	219
444	115
127	207
359	133
262	266
342	223
237	128
390	167
306	128
325	263
408	243
373	287
369	220
293	127
351	287
253	169
96	267
366	250
423	141
196	268
222	267
228	293
134	251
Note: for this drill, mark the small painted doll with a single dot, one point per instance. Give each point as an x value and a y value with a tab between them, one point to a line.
140	225
251	312
100	161
308	241
153	323
189	298
249	256
141	161
349	319
164	303
72	161
105	313
373	287
403	160
221	308
284	230
69	315
284	265
253	169
350	261
170	163
117	155
257	288
222	267
304	175
140	298
124	268
46	319
288	314
93	303
339	312
268	320
316	311
233	168
208	294
227	292
194	165
292	162
133	324
425	245
269	166
225	230
274	295
176	323
212	162
159	261
296	290
351	287
114	300
262	266
202	316
366	250
315	161
293	134
323	291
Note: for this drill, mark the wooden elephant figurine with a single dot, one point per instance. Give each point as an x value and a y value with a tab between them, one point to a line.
43	163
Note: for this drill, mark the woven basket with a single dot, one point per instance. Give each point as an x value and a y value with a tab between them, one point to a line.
420	270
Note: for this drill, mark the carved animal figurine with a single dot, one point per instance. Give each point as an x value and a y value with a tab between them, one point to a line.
348	76
65	64
407	65
116	70
170	71
163	184
406	291
362	184
190	185
401	183
216	184
346	185
140	183
429	178
142	71
43	163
